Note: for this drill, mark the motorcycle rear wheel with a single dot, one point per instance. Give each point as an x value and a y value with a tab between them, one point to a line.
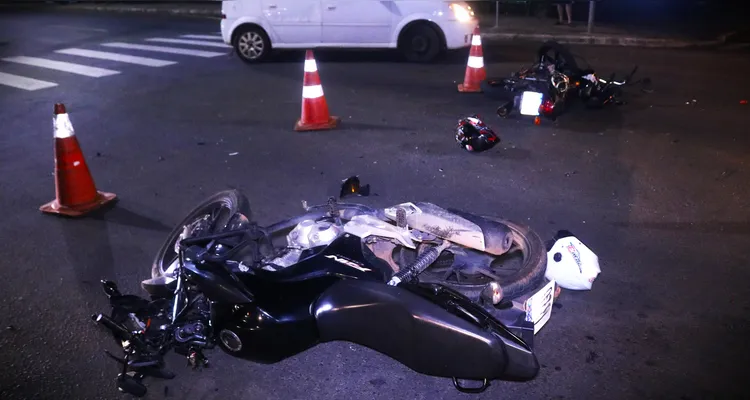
233	201
517	283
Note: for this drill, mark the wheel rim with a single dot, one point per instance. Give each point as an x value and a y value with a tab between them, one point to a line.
211	220
419	45
251	45
470	276
519	256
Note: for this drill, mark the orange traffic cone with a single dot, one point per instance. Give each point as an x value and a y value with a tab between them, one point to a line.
315	114
475	72
75	191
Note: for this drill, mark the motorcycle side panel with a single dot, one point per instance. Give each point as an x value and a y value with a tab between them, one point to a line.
279	322
217	284
265	337
418	333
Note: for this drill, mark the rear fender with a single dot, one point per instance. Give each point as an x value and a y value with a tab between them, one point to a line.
419	333
252	21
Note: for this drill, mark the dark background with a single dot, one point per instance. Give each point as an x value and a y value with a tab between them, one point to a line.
637	12
695	13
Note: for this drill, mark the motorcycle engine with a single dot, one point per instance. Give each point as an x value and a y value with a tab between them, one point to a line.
307	234
310	233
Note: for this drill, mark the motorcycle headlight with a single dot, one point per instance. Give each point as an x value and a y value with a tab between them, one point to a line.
462	13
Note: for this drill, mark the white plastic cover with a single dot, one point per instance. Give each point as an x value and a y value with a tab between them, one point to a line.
572	265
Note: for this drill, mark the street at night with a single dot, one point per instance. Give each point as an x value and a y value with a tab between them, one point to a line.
657	188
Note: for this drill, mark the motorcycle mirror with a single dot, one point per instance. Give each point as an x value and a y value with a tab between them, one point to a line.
352	187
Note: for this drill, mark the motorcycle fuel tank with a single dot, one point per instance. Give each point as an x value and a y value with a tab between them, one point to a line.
421	334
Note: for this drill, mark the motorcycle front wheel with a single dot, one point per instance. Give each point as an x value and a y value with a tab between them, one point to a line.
211	216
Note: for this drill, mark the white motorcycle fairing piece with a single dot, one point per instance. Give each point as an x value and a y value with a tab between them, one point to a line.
571	264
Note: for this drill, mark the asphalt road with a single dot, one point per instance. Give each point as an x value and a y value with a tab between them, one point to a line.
657	188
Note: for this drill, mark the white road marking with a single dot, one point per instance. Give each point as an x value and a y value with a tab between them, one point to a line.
163	49
104	55
79	69
207	37
78	28
22	82
186	41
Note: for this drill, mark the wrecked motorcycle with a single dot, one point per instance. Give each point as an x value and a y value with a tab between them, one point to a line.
546	88
417	282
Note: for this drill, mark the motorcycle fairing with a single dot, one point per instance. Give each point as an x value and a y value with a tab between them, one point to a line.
279	323
420	331
346	256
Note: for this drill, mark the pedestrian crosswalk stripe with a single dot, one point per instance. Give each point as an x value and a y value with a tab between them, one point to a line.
164	49
62	66
207	37
22	82
186	41
104	55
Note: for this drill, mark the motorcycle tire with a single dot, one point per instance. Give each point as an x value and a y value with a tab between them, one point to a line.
570	67
231	199
526	279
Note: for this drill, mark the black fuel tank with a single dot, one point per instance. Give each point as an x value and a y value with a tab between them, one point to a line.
419	333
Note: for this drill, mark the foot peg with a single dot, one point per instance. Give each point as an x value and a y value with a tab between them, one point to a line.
110	288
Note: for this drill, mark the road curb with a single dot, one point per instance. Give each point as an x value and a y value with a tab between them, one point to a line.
601	40
148	10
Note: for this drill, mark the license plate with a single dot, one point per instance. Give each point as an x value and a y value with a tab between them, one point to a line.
538	307
530	103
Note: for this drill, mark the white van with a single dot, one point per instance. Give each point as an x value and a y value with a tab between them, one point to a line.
421	29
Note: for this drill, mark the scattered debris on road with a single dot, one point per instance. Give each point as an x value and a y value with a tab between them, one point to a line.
352	187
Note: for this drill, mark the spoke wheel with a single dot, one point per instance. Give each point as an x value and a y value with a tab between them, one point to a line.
252	44
518	271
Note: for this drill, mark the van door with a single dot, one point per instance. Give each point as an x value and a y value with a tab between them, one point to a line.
365	22
293	22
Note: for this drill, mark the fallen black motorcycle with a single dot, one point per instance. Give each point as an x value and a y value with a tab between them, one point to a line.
416	282
545	88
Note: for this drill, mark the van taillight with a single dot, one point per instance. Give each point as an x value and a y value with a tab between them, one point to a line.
223	16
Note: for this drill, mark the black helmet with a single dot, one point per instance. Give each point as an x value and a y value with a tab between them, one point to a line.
473	135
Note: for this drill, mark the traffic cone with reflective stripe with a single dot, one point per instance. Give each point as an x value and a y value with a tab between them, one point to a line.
475	72
75	191
315	114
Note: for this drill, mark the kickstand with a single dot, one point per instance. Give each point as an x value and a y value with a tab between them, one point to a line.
114	357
